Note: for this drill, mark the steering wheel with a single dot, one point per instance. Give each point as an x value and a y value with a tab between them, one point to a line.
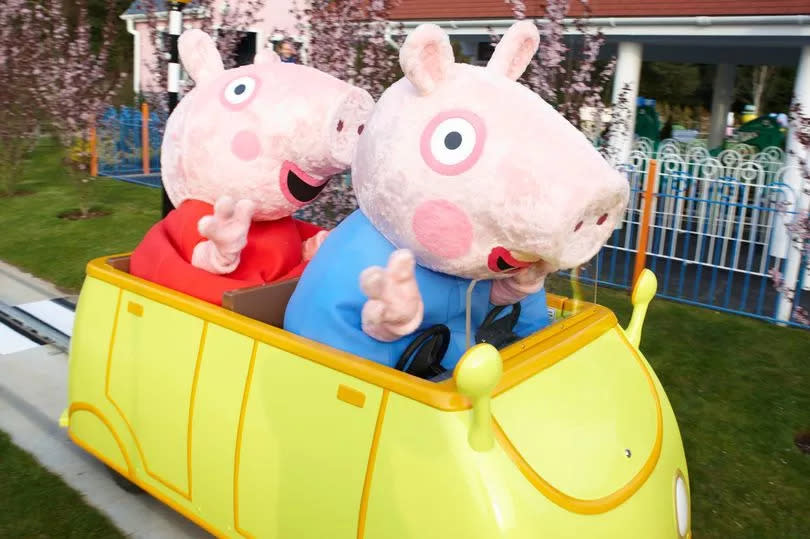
423	357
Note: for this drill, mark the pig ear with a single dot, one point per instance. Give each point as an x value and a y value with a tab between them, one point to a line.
426	57
199	55
267	56
515	50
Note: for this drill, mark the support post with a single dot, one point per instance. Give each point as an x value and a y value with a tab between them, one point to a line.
722	98
145	137
628	74
644	224
93	152
801	96
173	82
136	56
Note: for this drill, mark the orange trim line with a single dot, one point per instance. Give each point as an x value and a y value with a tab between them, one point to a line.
644	225
606	503
372	459
238	451
442	395
192	400
186	495
86	407
540	351
150	489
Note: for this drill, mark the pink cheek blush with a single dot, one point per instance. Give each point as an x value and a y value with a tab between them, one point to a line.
443	228
245	145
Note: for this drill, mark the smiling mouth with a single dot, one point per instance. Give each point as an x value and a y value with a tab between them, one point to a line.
299	187
502	260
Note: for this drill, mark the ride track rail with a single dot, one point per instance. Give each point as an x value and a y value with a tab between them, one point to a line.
36	323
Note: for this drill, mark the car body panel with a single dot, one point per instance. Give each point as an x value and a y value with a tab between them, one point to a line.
303	451
457	492
150	376
218	400
270	435
573	421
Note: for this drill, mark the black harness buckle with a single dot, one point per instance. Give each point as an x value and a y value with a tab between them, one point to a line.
424	355
499	333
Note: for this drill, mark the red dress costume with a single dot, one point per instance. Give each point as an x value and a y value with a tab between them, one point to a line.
273	253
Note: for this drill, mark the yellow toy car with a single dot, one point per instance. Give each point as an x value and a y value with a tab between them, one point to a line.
251	431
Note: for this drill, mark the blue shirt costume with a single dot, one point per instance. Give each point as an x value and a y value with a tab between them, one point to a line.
327	304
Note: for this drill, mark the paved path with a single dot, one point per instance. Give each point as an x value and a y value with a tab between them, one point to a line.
33	393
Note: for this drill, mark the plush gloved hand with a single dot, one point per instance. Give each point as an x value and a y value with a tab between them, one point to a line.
314	243
517	286
226	232
394	308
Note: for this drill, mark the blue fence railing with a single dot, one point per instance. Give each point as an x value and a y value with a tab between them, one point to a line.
713	241
121	149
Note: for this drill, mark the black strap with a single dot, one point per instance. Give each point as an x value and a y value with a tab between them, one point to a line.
499	333
428	350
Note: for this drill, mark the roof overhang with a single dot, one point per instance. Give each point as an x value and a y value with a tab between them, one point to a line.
714	26
137	17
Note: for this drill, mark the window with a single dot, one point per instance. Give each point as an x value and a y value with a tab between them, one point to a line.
244	45
485	50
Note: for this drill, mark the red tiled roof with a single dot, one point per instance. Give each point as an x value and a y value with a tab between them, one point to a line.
478	9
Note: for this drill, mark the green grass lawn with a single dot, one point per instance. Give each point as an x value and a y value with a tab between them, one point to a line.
37	503
740	388
34	238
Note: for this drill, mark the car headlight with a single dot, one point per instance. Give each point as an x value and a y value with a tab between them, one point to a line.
683	514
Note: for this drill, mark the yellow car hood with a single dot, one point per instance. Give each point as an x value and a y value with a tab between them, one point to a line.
586	430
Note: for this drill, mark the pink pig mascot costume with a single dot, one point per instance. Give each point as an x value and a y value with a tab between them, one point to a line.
242	151
462	175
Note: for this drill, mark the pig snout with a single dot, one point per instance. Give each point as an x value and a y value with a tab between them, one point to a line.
582	233
567	231
347	124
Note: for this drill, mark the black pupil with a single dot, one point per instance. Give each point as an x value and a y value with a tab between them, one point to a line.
240	89
452	140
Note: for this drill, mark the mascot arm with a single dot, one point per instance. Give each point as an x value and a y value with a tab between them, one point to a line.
313	237
394	307
226	235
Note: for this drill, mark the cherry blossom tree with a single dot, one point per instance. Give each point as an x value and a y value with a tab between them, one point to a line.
352	40
568	77
79	84
20	88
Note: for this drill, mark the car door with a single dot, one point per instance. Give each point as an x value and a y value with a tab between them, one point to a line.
153	356
303	448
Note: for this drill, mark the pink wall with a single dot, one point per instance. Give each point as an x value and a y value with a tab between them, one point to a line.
275	16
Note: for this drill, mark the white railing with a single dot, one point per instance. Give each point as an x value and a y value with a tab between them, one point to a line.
715	227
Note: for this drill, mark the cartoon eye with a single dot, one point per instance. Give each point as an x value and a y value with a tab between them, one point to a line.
240	90
453	142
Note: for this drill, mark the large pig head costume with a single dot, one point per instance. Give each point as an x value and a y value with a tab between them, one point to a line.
242	151
461	174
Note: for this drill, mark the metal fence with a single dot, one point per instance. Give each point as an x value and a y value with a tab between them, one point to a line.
716	227
129	145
